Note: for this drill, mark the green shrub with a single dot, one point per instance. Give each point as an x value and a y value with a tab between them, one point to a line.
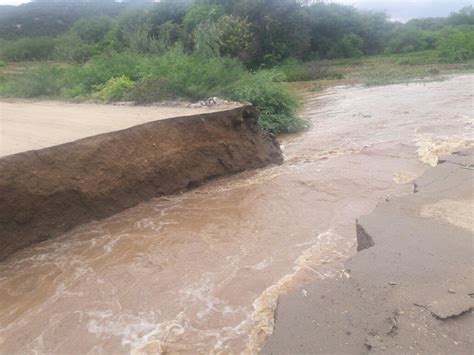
168	35
149	90
235	36
115	89
39	48
412	40
72	48
457	46
43	80
200	13
138	39
92	30
206	38
83	79
348	46
272	97
194	77
2	63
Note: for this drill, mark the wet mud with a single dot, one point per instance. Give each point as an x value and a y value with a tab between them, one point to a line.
202	271
408	290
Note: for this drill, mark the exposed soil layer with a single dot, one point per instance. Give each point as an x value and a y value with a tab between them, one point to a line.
408	290
46	192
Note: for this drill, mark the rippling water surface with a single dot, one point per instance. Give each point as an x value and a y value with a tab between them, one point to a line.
201	271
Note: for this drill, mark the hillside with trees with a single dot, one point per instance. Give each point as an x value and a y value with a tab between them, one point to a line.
241	49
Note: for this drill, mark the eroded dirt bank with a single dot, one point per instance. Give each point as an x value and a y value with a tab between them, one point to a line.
46	192
410	288
201	272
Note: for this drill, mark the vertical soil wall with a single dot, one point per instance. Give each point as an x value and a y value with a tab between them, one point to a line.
44	193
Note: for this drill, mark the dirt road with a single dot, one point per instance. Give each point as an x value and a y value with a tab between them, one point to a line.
27	125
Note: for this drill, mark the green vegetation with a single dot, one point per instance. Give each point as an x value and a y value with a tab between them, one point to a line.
387	69
275	102
457	46
239	50
115	89
42	80
39	48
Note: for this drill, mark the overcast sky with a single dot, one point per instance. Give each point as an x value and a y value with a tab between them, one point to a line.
401	10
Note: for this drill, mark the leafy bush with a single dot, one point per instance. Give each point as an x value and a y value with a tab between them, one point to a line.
412	40
457	45
92	30
349	46
42	80
274	100
39	48
200	13
169	34
149	90
115	89
206	40
194	77
138	39
235	37
71	48
228	36
83	79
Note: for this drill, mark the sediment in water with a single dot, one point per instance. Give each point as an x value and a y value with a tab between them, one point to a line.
44	193
410	287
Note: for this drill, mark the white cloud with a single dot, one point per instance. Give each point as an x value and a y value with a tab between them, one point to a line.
12	2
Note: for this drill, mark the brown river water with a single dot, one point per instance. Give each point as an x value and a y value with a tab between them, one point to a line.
201	272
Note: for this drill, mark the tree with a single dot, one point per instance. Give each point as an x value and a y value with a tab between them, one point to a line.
235	37
206	39
92	30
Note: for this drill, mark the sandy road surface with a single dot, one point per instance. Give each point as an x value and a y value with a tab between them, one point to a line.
27	125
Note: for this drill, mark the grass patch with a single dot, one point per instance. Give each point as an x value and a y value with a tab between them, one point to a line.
406	68
393	69
295	70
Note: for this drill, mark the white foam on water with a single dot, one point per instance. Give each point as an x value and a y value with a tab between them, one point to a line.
258	323
404	177
131	328
263	315
430	148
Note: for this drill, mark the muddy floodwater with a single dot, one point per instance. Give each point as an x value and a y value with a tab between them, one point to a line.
202	271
